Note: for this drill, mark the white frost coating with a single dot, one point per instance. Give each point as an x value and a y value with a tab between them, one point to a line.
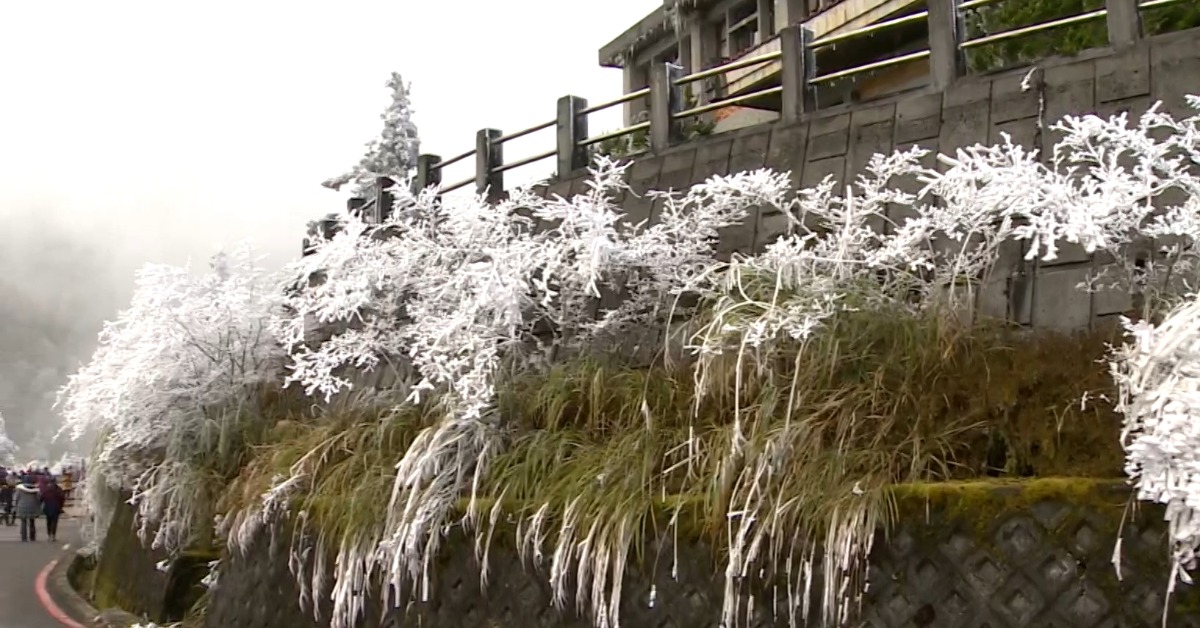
213	577
394	153
8	449
1158	375
166	381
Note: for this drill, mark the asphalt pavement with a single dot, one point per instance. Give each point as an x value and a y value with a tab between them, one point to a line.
20	565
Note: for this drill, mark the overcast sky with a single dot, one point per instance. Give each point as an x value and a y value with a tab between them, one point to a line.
139	130
182	125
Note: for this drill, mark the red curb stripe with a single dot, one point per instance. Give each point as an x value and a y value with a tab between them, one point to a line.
48	603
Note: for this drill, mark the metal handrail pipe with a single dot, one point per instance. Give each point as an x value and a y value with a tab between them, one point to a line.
1035	28
455	159
971	4
866	30
746	62
713	106
634	95
526	161
461	184
1153	4
612	134
522	133
912	56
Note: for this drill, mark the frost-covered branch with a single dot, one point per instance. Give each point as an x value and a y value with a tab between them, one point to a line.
169	380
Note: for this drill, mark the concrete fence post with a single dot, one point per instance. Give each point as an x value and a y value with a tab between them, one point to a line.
572	128
428	172
946	60
489	157
796	65
383	199
1124	21
666	100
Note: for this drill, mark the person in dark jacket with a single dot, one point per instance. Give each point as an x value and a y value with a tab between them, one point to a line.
6	503
28	507
53	501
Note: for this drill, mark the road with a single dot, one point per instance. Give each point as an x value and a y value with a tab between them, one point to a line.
21	563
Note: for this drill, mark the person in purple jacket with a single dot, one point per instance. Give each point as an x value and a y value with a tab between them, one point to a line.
53	500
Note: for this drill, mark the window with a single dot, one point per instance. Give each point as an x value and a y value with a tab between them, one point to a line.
740	32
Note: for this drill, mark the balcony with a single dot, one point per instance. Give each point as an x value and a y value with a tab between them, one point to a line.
843	17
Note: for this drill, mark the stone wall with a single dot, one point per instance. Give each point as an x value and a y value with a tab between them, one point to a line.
976	109
127	574
1034	554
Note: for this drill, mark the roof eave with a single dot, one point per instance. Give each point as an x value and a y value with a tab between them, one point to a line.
653	26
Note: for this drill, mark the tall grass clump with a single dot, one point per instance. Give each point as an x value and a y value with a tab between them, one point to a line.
603	457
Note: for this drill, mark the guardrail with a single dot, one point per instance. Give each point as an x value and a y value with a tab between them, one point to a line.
795	90
1105	23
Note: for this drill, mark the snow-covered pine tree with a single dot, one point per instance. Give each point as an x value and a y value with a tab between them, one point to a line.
393	153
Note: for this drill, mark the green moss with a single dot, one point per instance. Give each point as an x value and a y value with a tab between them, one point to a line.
977	506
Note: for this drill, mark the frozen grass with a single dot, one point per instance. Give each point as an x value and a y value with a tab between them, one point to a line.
598	455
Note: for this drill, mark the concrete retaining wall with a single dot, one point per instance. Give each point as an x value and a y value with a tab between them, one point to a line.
1006	555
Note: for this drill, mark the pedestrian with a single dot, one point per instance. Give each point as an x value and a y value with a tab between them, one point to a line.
53	501
6	503
28	505
68	482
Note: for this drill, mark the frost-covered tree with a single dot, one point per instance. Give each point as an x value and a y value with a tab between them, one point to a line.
169	381
8	449
394	153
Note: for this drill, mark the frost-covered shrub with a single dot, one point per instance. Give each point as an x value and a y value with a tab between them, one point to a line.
1158	375
171	378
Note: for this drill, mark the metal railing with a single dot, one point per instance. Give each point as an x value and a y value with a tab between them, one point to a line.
1122	25
790	86
858	33
740	64
586	143
1021	31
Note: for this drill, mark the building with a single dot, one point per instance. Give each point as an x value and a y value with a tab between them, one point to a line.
701	34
